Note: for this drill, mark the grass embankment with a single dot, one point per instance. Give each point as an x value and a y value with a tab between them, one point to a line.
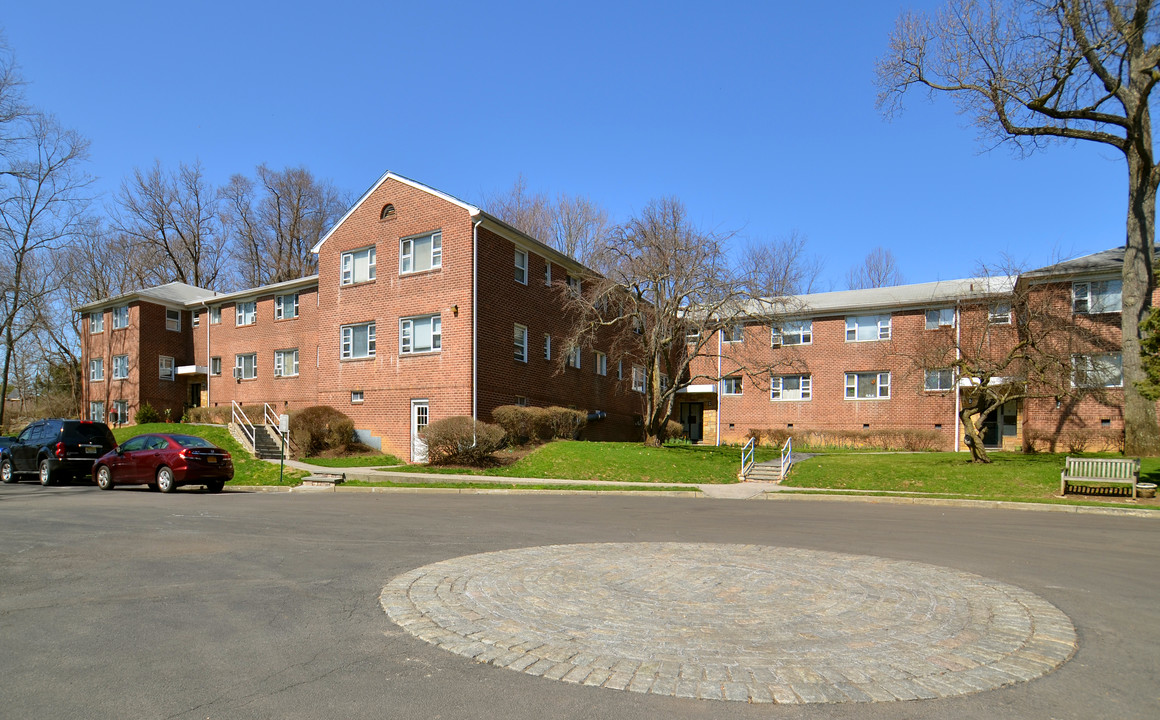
248	470
1012	476
422	482
354	461
621	462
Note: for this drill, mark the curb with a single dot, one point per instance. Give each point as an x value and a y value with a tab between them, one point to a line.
949	502
456	491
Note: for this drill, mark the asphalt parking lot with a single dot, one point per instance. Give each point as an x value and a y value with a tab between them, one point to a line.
131	604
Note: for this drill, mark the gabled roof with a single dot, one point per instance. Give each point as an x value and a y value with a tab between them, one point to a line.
173	294
284	286
1106	262
897	297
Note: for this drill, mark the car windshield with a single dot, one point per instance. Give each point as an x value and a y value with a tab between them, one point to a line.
192	441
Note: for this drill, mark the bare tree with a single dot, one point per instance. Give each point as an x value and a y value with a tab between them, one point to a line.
576	226
780	267
172	222
12	104
1030	72
878	269
273	223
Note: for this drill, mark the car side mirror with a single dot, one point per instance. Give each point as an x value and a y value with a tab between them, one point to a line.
119	451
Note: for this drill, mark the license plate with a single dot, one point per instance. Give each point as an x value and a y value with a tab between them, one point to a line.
90	450
211	460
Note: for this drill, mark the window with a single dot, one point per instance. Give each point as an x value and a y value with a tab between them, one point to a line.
358	341
601	363
97	369
286	306
574	358
1099	296
638	324
521	400
731	386
417	254
638	378
619	369
247	313
285	363
1095	371
120	414
943	379
790	387
664	382
521	267
692	335
97	411
165	367
800	332
97	325
865	328
547	272
574	285
120	367
387	212
215	366
521	342
120	317
356	396
867	386
940	317
194	318
420	335
734	334
215	315
173	320
358	266
999	314
246	366
547	346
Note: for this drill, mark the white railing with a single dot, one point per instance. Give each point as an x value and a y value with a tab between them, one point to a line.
243	422
786	458
270	417
747	458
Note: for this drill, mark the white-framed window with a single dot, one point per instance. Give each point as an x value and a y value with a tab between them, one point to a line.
939	379
574	358
867	385
215	315
735	333
638	378
619	369
692	335
356	397
97	411
547	346
664	382
797	332
547	272
358	341
867	328
521	343
999	314
286	306
285	363
246	313
97	325
1097	296
173	320
246	366
420	334
1096	371
120	367
96	369
421	253
601	363
194	318
357	266
638	324
522	400
521	273
790	387
215	366
574	285
731	385
120	414
120	317
940	317
165	366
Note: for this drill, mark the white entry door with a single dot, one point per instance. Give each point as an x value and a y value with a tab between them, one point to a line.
419	416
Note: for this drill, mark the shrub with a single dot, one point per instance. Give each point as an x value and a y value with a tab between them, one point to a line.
461	440
756	434
1076	441
674	430
564	423
522	424
777	437
146	414
319	428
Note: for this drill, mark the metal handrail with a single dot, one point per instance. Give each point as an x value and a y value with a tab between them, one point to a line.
786	458
270	417
747	458
239	416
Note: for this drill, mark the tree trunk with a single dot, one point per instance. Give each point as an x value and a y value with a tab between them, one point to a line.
974	441
1141	434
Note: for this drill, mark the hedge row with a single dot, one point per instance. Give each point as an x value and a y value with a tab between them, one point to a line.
886	439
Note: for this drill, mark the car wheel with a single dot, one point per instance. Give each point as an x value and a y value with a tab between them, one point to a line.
6	473
45	473
105	478
165	481
215	486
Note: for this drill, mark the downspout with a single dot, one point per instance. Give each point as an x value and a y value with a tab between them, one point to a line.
474	324
208	362
958	356
717	387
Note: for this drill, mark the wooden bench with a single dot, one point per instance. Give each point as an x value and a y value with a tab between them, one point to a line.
1100	471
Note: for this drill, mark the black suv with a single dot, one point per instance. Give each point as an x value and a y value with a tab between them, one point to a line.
56	449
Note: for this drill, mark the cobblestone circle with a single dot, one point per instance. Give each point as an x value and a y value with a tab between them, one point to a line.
733	622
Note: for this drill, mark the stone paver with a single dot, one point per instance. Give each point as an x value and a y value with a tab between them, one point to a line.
734	622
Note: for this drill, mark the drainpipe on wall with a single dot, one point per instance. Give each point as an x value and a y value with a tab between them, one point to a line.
718	387
474	324
958	356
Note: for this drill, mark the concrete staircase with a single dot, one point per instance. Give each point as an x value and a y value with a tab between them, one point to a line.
765	472
266	445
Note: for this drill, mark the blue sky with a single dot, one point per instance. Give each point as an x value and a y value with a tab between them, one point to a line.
759	115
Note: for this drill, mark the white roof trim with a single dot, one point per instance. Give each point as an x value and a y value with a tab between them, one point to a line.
388	175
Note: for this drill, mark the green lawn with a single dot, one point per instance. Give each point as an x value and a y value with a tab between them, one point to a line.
624	462
354	461
248	470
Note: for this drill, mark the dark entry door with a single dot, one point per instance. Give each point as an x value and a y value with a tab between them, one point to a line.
692	415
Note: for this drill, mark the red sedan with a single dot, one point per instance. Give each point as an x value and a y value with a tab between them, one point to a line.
164	462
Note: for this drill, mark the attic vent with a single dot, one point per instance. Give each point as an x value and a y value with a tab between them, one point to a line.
387	212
